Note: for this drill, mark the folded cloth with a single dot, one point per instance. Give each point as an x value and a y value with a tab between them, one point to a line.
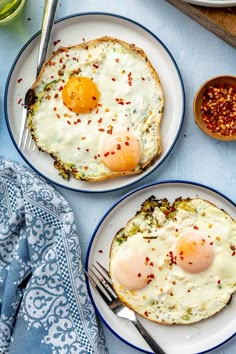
44	303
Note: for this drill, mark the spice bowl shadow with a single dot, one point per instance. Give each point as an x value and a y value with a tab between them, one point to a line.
214	107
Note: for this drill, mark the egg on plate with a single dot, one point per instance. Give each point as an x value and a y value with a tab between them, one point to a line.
97	110
175	264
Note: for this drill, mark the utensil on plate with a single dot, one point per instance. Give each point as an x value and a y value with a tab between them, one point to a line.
102	283
47	24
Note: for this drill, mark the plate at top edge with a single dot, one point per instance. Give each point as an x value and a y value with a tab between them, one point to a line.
73	30
212	3
196	338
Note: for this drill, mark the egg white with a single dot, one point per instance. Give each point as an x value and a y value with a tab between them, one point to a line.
75	141
175	296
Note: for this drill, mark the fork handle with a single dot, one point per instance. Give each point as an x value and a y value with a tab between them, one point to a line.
47	22
148	338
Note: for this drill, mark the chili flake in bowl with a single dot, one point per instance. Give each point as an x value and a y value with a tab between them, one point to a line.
214	107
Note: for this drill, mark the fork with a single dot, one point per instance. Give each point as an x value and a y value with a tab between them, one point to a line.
103	284
47	23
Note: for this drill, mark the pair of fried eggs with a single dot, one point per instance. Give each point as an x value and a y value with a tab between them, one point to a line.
175	264
97	110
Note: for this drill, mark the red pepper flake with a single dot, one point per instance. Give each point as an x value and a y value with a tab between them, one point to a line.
56	95
130	79
196	227
94	98
127	143
68	122
60	88
56	42
233	254
87	150
112	152
74	58
189	290
139	275
83	39
117	60
19	101
89	121
96	66
106	154
172	258
211	243
100	251
176	230
151	264
109	131
146	313
54	108
101	130
19	80
218	282
58	115
151	276
113	79
118	147
219	109
128	102
61	60
143	78
100	120
78	120
120	101
171	294
83	138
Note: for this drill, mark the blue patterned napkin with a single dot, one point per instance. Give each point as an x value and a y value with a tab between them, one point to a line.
44	304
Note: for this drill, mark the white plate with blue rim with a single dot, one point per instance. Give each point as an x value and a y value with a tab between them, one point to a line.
73	30
212	3
199	337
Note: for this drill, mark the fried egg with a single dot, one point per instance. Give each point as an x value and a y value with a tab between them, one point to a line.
97	110
175	264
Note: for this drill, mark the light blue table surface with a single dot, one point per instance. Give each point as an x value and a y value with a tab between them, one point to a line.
195	157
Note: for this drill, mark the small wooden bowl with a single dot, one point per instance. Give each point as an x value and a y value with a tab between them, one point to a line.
198	100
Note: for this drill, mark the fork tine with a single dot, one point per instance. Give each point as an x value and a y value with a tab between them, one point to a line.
104	270
99	290
105	285
27	141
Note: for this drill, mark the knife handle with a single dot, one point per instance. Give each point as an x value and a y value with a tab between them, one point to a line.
47	23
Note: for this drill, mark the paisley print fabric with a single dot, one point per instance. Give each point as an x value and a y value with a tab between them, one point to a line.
44	304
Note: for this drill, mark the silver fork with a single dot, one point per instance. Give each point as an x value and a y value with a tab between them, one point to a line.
102	283
47	23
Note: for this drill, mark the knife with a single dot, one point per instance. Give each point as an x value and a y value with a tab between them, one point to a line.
46	29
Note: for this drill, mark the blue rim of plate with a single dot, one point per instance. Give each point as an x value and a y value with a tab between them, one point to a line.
128	194
89	14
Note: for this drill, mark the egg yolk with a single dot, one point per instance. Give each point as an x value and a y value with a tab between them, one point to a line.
132	271
80	94
121	152
193	253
